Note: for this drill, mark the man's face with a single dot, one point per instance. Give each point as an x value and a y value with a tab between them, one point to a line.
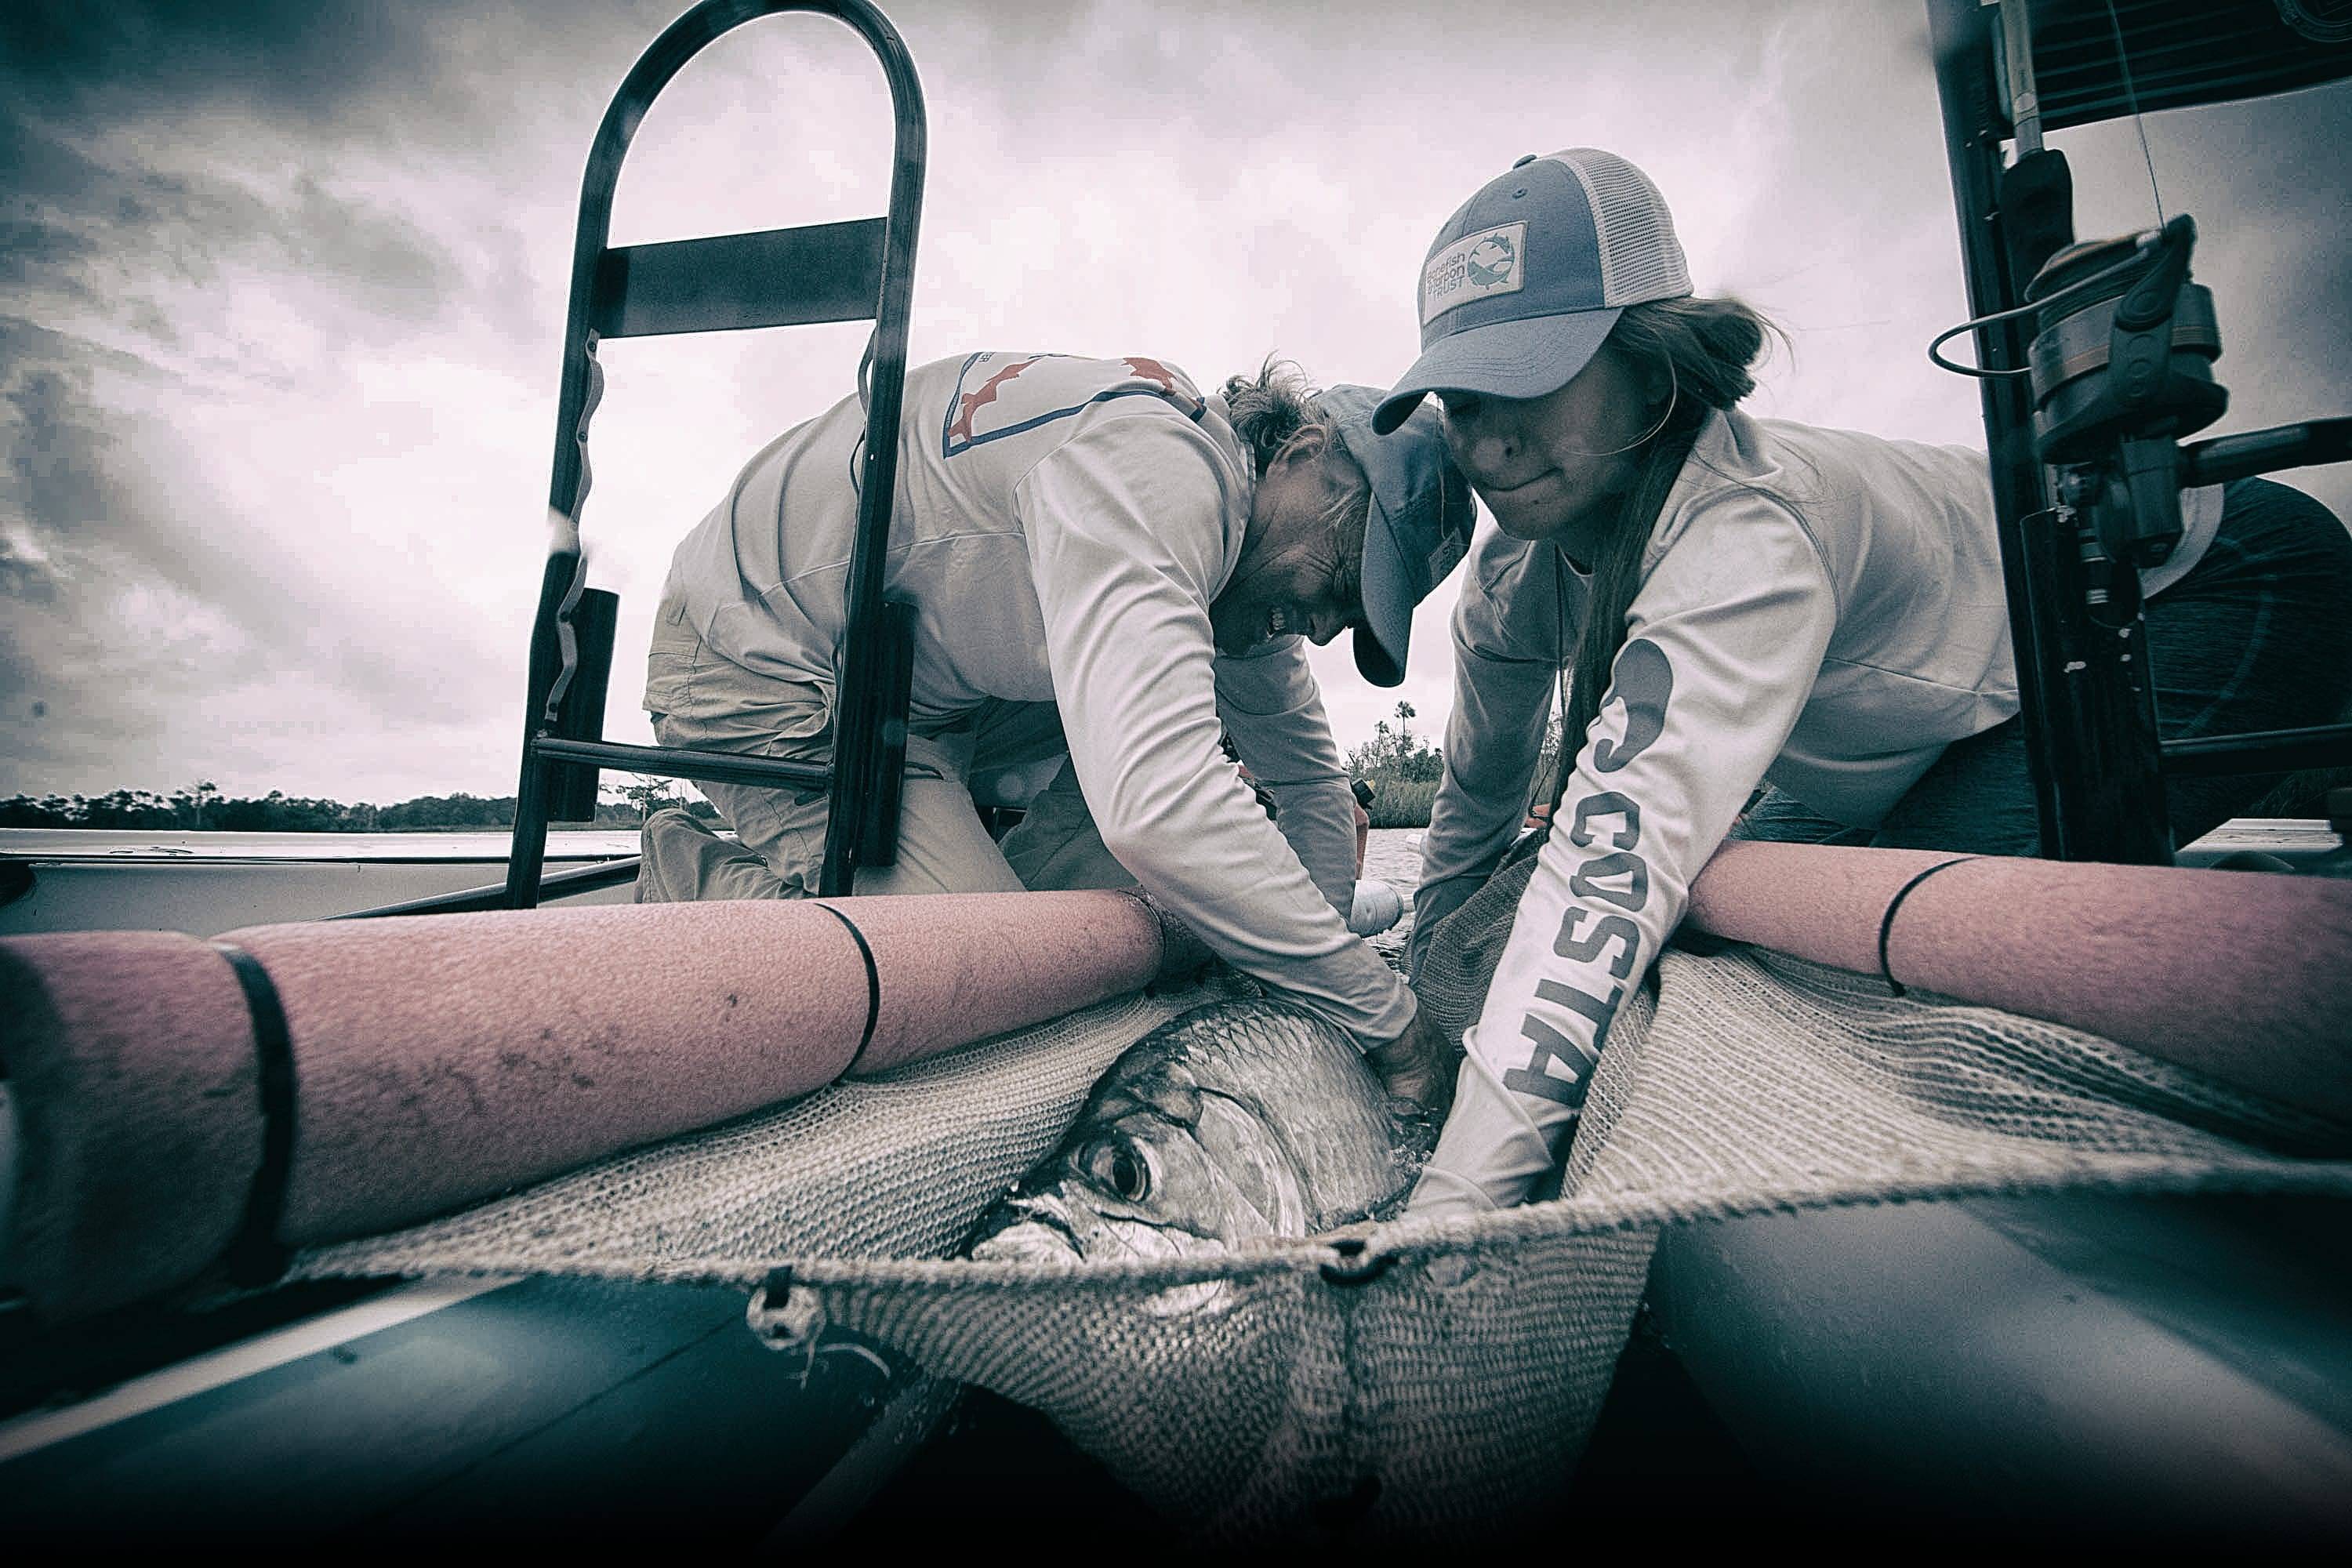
1293	593
1291	579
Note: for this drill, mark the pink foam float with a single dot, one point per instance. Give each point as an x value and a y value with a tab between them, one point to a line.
2245	976
426	1062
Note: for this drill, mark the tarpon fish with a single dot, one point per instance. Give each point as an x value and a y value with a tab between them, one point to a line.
1237	1120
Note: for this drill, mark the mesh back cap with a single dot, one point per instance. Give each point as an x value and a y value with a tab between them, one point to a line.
1524	282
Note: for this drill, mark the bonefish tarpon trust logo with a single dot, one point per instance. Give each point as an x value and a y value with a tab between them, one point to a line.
1491	260
1476	266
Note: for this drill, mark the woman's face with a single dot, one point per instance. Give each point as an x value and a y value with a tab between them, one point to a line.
1538	463
1289	580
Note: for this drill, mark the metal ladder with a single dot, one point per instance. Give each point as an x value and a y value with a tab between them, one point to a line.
859	270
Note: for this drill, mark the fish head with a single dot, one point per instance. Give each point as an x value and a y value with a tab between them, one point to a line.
1158	1168
1231	1124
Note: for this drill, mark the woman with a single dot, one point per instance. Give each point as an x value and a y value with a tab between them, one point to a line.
1738	603
1104	563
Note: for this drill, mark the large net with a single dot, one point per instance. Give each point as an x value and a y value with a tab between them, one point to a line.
1441	1374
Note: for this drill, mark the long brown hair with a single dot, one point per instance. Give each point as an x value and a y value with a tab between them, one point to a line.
1709	346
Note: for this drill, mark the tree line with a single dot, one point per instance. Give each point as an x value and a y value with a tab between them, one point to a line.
1401	765
1404	770
203	808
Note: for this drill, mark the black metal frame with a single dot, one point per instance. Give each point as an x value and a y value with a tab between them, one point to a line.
2085	689
825	272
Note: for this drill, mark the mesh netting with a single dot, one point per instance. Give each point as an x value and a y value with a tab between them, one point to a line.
1446	1376
1640	256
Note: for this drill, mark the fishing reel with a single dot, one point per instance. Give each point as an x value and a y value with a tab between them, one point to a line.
2122	369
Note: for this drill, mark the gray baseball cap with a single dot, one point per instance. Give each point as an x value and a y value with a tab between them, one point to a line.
1418	528
1525	281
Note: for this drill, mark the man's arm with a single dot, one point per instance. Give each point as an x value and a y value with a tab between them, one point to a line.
1127	537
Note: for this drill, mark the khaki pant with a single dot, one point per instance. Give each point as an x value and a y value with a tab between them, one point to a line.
943	846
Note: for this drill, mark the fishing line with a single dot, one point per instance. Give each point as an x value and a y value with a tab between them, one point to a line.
2032	306
2131	101
2139	125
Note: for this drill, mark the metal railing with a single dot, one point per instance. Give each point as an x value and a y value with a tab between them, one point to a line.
825	272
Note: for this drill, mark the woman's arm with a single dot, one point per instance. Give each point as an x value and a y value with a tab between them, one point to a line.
1509	632
1723	645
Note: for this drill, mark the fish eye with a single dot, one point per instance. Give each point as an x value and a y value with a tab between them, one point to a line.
1121	1168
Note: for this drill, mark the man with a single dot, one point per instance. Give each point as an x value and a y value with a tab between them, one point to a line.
1108	565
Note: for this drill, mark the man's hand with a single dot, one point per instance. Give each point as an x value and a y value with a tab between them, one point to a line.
1418	1065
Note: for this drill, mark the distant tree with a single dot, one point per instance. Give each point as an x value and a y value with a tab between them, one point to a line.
1397	755
647	796
447	811
127	809
24	811
189	802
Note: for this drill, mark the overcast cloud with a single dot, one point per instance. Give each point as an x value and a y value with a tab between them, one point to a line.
281	291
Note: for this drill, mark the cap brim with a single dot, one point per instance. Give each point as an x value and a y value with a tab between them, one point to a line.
1382	639
1372	660
1417	523
1526	358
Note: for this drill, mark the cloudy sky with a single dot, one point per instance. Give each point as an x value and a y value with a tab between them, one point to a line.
281	291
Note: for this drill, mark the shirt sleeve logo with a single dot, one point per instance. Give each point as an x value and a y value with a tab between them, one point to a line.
999	394
1642	679
1566	1024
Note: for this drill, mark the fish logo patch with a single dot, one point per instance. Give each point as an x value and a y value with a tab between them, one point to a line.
1476	266
968	403
999	395
1491	260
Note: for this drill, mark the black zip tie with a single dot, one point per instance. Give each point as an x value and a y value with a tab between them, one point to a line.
257	1258
873	986
1886	921
1352	1262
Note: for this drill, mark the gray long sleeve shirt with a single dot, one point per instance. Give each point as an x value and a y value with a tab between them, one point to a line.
1817	608
1063	525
